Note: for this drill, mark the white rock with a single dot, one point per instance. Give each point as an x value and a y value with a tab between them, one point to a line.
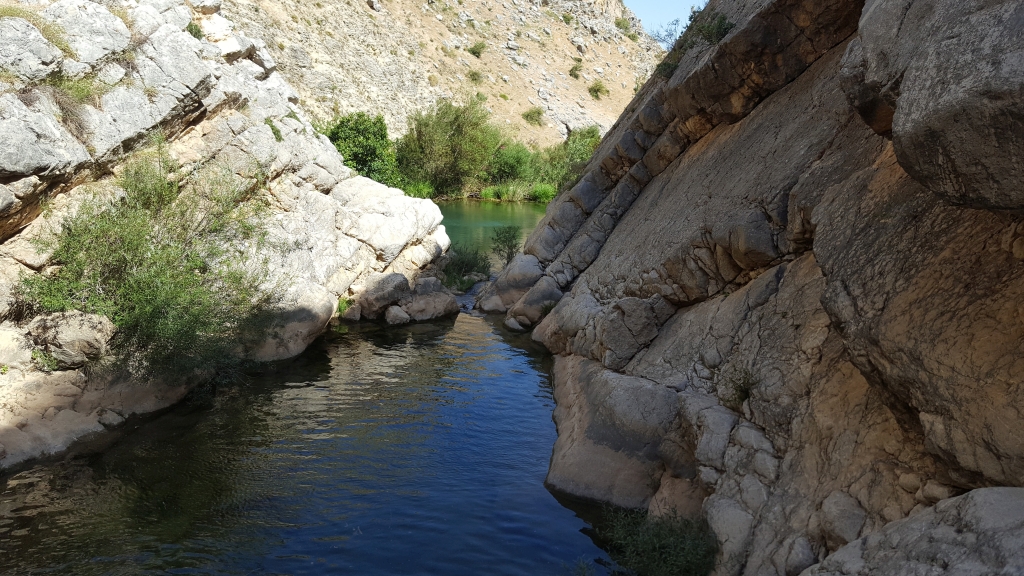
91	30
24	52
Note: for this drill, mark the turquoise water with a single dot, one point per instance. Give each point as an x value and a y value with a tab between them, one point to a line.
472	223
414	450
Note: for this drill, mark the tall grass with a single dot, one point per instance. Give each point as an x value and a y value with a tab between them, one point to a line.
668	545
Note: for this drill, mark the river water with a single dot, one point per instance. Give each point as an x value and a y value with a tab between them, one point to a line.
413	450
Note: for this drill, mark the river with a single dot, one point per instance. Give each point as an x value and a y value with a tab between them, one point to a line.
412	450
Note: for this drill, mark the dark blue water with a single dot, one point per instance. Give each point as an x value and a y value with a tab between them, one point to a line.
419	450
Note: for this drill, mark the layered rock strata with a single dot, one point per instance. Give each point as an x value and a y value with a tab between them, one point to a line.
226	113
787	292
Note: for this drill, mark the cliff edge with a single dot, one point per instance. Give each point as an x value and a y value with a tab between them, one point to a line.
786	295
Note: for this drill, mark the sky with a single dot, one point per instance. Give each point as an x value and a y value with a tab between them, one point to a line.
655	13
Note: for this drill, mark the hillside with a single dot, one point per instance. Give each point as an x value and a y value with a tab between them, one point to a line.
395	57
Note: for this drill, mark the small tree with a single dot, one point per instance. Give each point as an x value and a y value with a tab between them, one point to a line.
363	142
505	243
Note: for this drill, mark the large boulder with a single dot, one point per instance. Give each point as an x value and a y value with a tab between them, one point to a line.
91	30
73	337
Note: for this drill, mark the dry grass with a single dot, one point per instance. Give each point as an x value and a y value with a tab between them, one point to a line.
53	33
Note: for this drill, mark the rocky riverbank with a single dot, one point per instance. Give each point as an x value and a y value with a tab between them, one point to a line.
786	294
82	87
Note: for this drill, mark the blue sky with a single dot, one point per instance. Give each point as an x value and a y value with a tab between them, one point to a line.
655	13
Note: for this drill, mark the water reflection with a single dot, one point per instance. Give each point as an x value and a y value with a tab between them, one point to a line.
412	451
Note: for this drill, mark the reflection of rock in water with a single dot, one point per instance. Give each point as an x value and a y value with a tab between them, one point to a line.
361	417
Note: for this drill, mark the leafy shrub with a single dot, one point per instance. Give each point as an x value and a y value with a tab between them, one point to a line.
597	89
447	145
172	268
477	49
534	116
704	26
668	545
363	142
503	96
475	76
514	191
194	29
481	97
419	190
462	261
44	360
567	18
505	243
633	36
511	161
543	193
623	24
574	72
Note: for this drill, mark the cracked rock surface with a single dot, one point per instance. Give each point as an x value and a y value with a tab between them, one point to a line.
786	294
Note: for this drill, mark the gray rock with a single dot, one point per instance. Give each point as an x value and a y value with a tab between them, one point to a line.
15	348
73	337
396	316
206	6
35	143
24	52
981	532
91	30
842	518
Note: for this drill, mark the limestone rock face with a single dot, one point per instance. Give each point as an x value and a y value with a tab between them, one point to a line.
227	115
24	52
805	248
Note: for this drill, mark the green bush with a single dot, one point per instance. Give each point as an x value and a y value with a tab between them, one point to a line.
512	161
534	116
475	76
171	268
704	26
419	190
447	146
505	243
574	72
597	89
363	142
668	545
567	18
477	49
194	29
462	261
543	193
623	24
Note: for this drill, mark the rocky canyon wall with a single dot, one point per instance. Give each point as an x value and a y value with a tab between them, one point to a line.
787	294
225	112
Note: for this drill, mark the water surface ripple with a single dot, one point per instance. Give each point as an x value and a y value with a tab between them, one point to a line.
419	450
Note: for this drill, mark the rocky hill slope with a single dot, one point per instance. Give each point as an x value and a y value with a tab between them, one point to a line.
789	291
396	57
82	87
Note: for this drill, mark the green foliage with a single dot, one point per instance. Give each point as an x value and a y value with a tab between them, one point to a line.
173	269
447	146
52	32
274	129
567	18
419	190
363	142
543	193
707	26
481	97
44	360
194	29
667	545
597	89
505	243
462	261
4	369
343	305
503	96
514	191
475	76
633	36
477	49
623	24
70	96
574	72
534	116
512	161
